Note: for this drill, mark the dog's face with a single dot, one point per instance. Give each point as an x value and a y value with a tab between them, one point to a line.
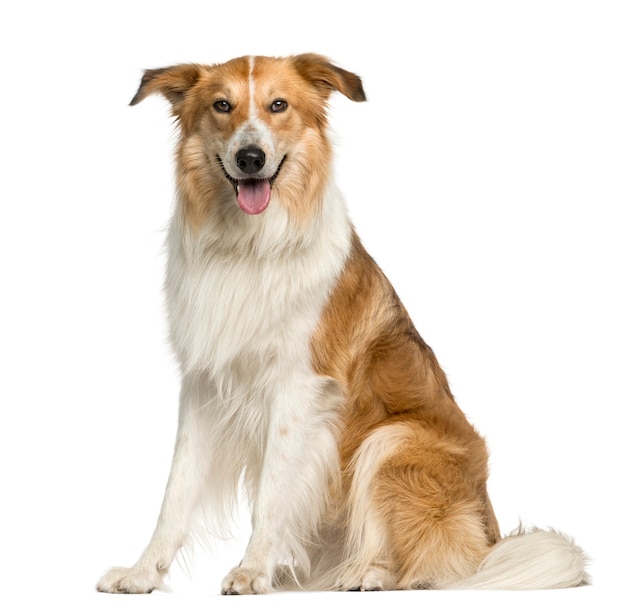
252	128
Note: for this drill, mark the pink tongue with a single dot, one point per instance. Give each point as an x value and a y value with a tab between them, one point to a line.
253	196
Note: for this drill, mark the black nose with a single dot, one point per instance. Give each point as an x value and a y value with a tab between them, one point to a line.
250	159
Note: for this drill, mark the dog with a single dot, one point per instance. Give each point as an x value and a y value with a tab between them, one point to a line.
304	381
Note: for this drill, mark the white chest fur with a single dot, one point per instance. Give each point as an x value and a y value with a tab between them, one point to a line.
252	292
244	299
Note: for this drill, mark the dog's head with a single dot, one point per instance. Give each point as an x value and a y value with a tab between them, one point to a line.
252	127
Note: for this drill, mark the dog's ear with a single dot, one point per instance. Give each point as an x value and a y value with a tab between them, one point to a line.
173	82
327	77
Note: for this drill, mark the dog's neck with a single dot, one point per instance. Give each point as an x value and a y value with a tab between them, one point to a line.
276	233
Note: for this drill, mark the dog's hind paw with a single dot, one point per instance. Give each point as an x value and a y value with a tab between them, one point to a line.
243	581
129	580
375	579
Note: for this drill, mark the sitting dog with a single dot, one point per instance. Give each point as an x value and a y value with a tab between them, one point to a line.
303	377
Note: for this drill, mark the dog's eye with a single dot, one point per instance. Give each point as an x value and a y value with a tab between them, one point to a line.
221	106
278	106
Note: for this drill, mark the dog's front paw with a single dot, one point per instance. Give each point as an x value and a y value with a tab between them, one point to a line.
129	580
244	581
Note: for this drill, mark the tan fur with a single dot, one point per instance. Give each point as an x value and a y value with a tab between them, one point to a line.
435	486
307	80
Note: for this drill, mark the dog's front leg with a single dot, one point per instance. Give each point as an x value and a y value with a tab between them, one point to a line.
299	465
185	483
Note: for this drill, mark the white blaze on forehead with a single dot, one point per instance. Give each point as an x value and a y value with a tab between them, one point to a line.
253	132
251	89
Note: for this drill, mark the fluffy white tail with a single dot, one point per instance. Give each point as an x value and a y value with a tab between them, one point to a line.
530	560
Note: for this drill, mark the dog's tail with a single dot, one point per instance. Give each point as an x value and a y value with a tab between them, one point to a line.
536	559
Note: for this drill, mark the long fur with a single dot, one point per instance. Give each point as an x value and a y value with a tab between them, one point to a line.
302	374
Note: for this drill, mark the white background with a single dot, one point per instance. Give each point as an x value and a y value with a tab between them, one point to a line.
486	174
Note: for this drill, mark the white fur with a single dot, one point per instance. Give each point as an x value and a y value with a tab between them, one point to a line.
252	132
250	403
249	286
244	296
530	560
263	404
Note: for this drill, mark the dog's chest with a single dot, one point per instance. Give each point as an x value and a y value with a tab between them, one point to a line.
228	311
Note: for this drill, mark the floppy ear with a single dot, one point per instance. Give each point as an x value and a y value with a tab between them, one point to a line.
173	82
319	71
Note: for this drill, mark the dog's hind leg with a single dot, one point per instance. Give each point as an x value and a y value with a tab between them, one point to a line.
417	518
368	564
184	489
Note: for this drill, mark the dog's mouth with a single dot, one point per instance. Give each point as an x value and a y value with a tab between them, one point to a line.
253	194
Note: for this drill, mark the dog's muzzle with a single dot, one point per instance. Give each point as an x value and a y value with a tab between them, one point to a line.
254	193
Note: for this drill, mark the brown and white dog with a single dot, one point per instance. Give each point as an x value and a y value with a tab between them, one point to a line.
302	373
